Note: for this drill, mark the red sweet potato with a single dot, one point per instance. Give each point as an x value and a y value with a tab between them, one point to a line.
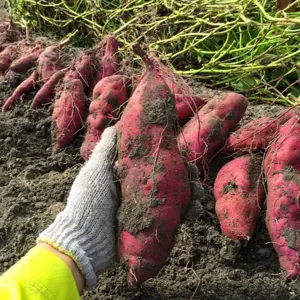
257	134
154	180
47	91
109	94
106	60
27	61
282	171
68	113
207	131
239	193
25	87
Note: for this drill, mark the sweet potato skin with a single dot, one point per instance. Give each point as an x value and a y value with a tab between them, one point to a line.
150	167
239	193
68	113
109	94
207	131
282	171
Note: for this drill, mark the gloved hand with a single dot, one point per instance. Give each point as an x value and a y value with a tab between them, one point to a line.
85	229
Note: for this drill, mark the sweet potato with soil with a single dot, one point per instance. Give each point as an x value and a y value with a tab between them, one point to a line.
282	171
257	134
47	91
154	180
27	61
106	60
109	94
239	193
68	113
25	87
207	131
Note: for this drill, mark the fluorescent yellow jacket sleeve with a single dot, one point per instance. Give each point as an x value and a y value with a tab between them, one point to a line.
39	275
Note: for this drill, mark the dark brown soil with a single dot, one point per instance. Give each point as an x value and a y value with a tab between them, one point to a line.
204	265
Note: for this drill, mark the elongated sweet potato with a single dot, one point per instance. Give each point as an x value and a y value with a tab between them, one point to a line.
257	134
25	87
68	113
153	177
27	61
47	91
239	193
207	131
282	171
106	60
109	94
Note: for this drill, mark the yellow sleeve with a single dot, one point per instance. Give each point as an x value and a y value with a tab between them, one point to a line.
39	275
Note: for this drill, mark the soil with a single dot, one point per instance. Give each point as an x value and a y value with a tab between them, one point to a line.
34	185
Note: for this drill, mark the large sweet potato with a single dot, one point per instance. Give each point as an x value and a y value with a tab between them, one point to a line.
153	177
282	170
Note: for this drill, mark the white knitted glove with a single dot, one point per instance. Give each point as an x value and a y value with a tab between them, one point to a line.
85	229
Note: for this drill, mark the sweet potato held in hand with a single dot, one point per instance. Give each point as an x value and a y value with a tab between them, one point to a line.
154	180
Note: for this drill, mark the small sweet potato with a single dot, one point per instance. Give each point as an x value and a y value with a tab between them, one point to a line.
239	193
6	58
257	134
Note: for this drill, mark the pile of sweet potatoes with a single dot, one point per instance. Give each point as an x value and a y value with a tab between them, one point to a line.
163	126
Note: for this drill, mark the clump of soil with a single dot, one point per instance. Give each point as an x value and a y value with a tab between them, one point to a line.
203	264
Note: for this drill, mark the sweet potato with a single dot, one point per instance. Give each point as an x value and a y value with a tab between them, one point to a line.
47	91
25	87
257	134
154	180
239	193
282	171
106	60
27	61
68	113
207	131
109	94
